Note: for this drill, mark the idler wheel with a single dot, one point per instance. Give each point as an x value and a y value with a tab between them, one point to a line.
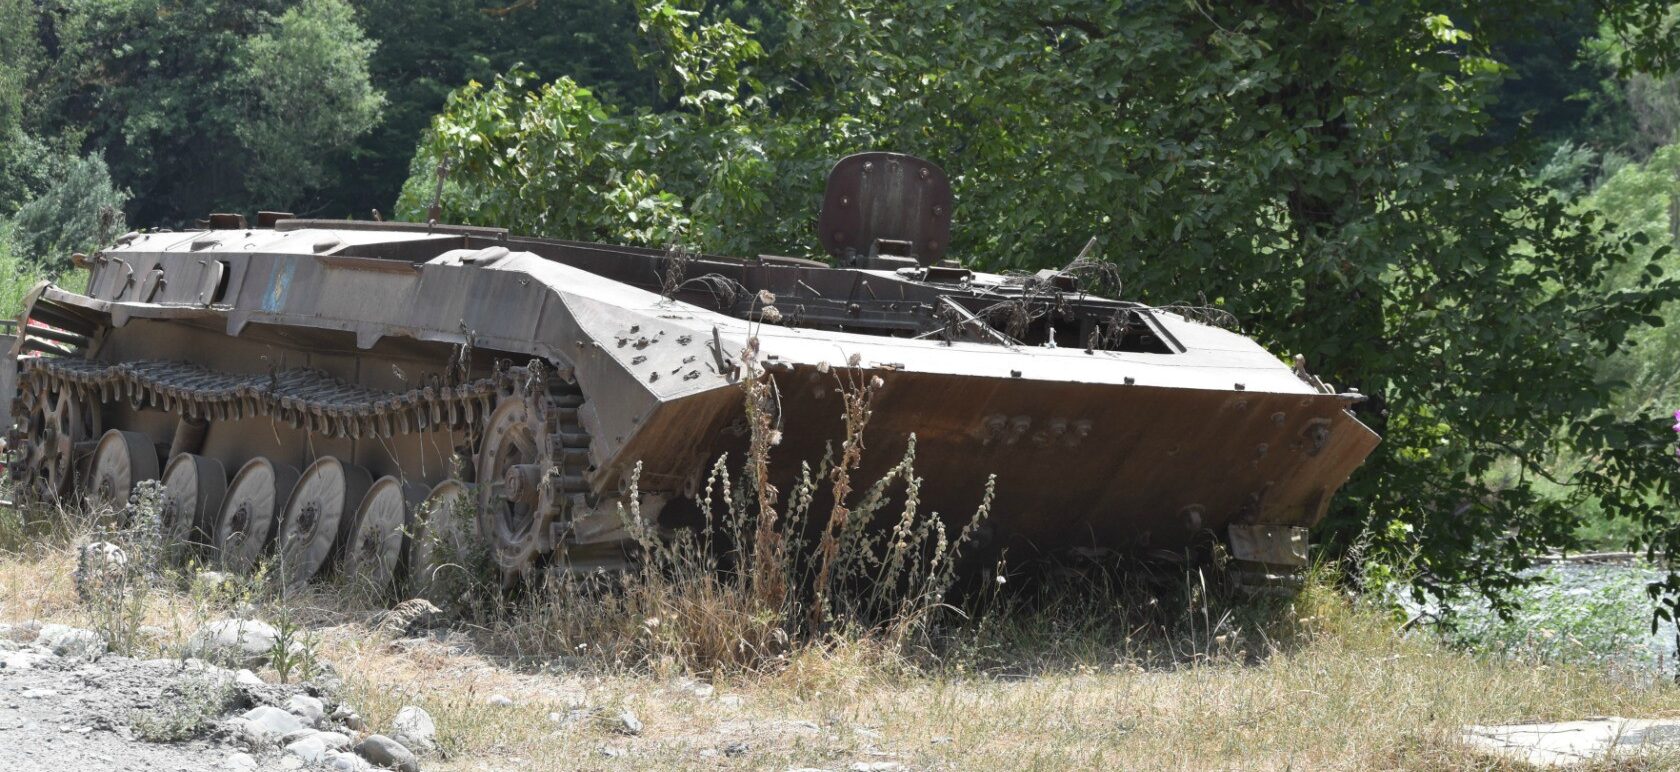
250	511
442	535
317	511
514	507
193	489
374	552
56	422
119	461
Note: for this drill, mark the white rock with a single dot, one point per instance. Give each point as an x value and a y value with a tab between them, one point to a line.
628	723
307	708
876	766
341	761
247	678
730	700
265	725
239	762
335	741
310	749
414	728
245	642
500	701
73	642
23	660
289	762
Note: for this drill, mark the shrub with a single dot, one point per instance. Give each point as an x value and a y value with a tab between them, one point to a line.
80	211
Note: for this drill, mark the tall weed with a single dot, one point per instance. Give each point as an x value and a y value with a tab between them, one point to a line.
768	571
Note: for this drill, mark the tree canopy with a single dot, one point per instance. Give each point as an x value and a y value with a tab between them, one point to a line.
1411	195
1321	170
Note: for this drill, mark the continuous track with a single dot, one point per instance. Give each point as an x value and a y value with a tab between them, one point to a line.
529	471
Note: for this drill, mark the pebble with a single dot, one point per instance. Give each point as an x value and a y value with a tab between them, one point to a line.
628	723
239	762
335	741
414	728
386	752
501	701
247	678
730	700
876	766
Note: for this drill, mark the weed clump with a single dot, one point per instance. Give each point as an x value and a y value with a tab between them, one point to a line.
767	571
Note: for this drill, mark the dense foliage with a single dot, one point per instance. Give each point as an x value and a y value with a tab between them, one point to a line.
1321	170
1464	210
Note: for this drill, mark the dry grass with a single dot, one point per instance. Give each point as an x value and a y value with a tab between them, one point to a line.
807	638
1339	689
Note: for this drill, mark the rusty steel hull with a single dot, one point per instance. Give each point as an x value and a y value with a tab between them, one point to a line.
1117	426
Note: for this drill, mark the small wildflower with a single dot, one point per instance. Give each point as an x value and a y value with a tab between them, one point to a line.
776	437
766	297
651	622
771	314
854	360
822	367
1001	579
876	382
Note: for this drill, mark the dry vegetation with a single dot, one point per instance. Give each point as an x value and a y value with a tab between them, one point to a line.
784	645
1105	681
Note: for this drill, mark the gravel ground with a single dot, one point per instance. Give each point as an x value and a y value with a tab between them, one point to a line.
65	715
67	705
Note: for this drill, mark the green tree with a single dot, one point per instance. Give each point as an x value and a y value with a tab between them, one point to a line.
1319	169
172	91
313	97
82	210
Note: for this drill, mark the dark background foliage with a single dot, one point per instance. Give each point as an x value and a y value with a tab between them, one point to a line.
1460	209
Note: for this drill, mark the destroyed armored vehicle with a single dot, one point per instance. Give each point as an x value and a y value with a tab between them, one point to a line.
314	384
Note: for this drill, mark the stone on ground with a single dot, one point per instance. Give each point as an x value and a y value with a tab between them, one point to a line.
310	750
340	761
1571	743
242	642
72	642
264	725
386	752
311	710
628	723
413	727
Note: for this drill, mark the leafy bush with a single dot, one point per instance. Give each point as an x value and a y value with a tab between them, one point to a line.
80	211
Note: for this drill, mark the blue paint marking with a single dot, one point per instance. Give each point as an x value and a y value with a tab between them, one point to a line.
279	281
